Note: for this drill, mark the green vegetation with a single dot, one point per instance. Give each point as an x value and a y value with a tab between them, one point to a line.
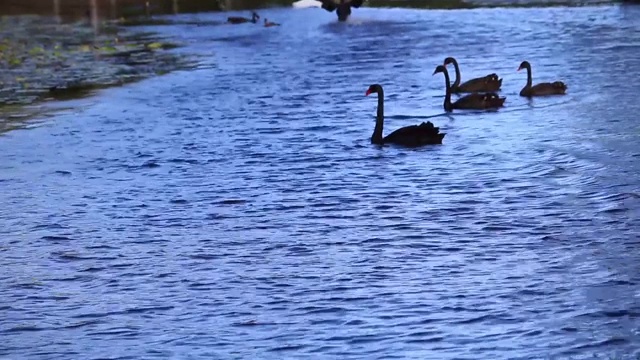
41	59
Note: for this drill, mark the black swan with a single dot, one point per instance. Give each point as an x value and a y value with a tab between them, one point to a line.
487	83
410	136
476	101
343	7
541	89
241	20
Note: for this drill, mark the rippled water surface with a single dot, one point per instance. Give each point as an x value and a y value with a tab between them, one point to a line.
239	211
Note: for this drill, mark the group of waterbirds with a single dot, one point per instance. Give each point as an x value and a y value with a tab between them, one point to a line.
482	96
254	19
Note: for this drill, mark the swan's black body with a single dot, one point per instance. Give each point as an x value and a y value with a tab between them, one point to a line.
241	20
409	136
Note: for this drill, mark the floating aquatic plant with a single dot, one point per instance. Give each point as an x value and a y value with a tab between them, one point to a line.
37	55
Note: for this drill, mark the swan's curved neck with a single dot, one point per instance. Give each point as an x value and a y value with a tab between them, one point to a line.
529	77
525	89
447	97
376	138
456	83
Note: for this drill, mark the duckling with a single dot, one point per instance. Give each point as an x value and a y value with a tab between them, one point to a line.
269	23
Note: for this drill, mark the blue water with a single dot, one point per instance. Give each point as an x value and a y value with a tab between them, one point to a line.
239	211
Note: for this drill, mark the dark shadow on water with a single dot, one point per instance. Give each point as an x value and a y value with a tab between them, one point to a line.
464	113
17	117
406	117
75	91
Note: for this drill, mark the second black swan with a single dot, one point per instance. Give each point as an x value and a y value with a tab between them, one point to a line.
540	89
489	82
241	20
475	101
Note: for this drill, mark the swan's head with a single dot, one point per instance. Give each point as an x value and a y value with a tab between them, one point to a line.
255	15
375	88
524	65
449	60
440	69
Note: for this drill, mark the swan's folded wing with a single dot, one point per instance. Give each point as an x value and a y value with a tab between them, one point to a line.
356	3
559	85
416	135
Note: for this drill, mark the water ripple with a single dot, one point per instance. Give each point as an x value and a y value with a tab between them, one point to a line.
239	210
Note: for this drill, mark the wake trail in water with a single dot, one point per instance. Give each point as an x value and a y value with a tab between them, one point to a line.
476	112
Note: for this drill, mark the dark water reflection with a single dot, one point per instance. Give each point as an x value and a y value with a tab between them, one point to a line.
239	211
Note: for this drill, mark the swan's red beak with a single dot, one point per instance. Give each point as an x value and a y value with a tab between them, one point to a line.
519	68
368	92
